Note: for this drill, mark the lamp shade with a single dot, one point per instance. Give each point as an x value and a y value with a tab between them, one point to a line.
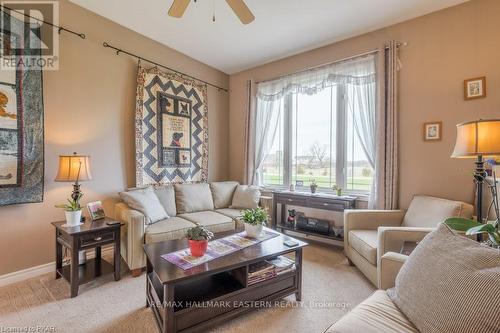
73	168
480	137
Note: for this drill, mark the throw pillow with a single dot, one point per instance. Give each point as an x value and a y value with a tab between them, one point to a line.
450	284
246	197
222	193
166	195
191	198
145	201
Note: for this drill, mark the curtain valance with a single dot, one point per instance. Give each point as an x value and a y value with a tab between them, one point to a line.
356	71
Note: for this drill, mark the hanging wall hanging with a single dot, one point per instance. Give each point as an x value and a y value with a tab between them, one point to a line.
171	128
21	117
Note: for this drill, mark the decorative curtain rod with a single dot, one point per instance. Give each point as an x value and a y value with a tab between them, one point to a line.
7	11
118	51
398	45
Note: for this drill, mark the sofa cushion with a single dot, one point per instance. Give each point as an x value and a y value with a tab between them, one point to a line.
425	211
145	201
222	193
365	243
166	195
232	213
450	283
192	198
376	314
246	197
213	221
235	214
168	229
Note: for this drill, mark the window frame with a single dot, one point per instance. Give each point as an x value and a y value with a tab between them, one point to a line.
341	110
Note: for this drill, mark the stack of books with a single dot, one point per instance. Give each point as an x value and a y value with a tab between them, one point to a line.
266	270
282	264
260	271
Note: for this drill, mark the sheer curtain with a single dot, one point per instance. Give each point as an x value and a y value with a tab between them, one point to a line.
362	101
357	74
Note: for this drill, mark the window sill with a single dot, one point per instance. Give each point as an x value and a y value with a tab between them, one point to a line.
361	196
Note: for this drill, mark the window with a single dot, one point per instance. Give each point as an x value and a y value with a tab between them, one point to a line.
317	138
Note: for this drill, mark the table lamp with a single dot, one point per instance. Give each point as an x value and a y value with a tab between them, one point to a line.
478	139
74	168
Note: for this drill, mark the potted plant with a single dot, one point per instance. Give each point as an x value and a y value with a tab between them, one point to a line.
254	220
314	186
337	189
471	227
198	238
73	211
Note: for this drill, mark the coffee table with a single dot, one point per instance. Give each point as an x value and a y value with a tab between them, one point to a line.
195	299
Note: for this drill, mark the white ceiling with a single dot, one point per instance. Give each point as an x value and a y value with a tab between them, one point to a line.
281	28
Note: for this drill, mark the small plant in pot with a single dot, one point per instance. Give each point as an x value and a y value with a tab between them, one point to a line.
198	238
314	186
73	211
337	189
255	220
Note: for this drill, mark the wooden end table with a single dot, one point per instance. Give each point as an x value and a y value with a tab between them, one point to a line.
90	235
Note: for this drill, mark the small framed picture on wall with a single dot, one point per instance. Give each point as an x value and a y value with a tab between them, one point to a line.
433	131
475	88
96	211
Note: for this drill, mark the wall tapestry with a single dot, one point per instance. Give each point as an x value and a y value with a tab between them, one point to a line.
171	129
21	118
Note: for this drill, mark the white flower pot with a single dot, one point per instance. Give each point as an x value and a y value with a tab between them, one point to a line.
73	218
253	231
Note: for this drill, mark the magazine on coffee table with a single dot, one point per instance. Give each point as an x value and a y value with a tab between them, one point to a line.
216	249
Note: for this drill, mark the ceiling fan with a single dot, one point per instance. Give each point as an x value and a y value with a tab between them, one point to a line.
238	6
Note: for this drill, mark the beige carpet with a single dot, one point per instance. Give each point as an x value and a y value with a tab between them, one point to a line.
330	289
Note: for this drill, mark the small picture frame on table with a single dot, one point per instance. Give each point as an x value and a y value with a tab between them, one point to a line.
433	131
96	211
475	88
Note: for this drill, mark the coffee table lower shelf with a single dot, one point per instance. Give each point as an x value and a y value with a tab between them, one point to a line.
195	304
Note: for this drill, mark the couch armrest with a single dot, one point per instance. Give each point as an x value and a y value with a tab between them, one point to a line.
389	267
132	235
365	219
391	239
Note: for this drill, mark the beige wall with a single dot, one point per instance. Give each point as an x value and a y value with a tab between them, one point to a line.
445	48
89	108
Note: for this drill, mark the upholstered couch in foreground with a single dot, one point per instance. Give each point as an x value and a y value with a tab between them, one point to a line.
162	213
449	284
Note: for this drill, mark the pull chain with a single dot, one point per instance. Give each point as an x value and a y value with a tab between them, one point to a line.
213	17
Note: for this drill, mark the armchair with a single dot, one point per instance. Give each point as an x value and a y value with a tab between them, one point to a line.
369	234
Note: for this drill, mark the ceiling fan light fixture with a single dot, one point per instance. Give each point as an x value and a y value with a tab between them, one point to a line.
239	7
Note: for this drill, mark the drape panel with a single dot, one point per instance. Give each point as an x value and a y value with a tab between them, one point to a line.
250	135
386	192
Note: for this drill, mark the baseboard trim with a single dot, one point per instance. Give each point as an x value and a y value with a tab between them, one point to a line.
35	271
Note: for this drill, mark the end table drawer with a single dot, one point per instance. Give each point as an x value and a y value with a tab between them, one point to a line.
91	240
291	200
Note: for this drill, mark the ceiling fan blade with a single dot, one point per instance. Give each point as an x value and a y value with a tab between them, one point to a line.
178	8
241	10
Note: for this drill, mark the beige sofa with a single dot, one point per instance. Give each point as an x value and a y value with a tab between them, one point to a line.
187	205
371	233
378	313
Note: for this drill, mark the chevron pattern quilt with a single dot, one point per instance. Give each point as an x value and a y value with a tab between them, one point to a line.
171	134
